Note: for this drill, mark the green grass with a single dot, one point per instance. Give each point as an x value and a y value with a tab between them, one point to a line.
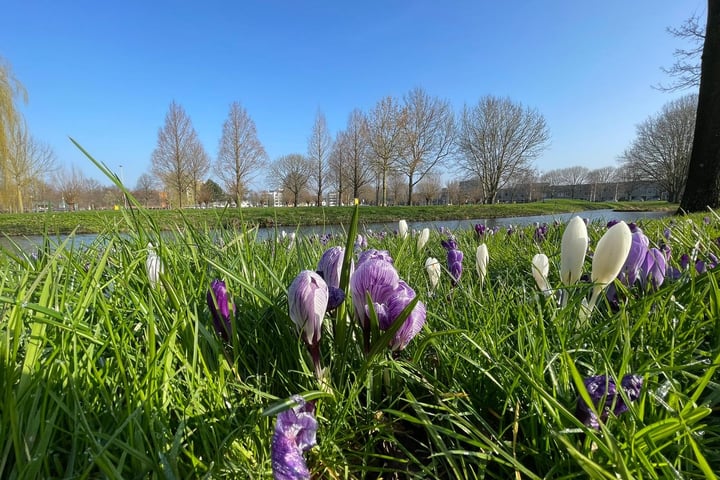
102	376
103	220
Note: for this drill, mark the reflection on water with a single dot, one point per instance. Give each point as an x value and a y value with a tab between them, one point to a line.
603	216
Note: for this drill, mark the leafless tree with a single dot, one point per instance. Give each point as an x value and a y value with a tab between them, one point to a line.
10	118
292	174
600	176
319	145
524	185
146	189
351	153
430	188
175	159
661	151
385	127
199	167
429	132
241	155
28	160
454	192
396	187
686	69
496	138
71	183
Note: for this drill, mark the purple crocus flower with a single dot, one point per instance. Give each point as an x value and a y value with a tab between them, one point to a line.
454	259
631	271
480	229
372	254
329	268
603	392
376	276
613	222
656	272
307	303
295	433
220	305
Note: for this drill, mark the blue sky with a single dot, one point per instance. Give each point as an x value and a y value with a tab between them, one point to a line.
106	72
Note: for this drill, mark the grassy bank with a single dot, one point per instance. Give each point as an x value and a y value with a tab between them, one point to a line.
99	221
103	375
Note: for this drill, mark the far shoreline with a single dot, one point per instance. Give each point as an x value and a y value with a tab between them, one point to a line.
98	221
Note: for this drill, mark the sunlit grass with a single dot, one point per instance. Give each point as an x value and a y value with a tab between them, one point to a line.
102	376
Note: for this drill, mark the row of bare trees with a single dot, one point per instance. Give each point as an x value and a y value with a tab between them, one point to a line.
415	138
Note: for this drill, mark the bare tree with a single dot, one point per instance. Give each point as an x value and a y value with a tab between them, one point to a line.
703	179
292	173
350	160
497	137
454	192
661	150
240	154
178	148
600	176
28	160
430	188
199	167
71	184
570	176
396	187
429	131
385	127
686	69
146	189
318	153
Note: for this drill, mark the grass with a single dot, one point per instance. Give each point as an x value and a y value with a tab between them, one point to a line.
85	221
104	376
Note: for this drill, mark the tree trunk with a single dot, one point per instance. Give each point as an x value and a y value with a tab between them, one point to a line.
410	189
702	189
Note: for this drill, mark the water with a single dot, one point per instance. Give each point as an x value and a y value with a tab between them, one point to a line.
603	216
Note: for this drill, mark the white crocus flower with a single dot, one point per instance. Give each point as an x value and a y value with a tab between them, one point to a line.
153	265
572	251
482	257
540	270
432	266
423	238
610	255
402	228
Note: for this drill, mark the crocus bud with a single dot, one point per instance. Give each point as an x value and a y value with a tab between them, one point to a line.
610	256
433	269
540	270
423	238
330	266
153	265
402	229
572	251
220	305
454	259
482	257
307	302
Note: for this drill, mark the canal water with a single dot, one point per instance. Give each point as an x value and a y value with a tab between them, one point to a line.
603	216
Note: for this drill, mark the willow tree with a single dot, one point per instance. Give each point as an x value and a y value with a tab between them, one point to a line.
10	90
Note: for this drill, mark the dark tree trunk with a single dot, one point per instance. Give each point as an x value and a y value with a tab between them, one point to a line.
702	189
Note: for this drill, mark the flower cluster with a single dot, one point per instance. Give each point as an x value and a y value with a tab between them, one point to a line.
377	277
606	398
295	433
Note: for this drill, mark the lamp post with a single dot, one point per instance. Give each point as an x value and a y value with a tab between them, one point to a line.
122	181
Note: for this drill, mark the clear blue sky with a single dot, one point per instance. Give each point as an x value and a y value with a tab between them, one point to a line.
106	72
